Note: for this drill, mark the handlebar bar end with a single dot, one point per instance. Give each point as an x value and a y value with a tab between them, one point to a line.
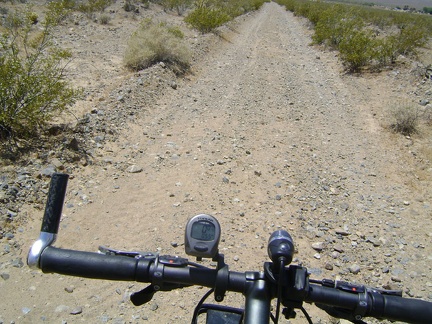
45	239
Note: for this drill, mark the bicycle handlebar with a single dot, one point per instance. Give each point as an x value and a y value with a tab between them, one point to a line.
123	268
259	288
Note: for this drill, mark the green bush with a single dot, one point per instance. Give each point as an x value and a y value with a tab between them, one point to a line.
206	19
385	50
157	42
356	50
411	37
335	25
90	7
357	31
33	88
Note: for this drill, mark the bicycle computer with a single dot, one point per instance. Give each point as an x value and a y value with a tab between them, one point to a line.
202	236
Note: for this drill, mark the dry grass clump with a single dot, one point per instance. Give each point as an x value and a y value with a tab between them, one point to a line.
406	119
157	42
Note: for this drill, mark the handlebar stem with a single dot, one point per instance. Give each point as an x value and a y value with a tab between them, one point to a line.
258	297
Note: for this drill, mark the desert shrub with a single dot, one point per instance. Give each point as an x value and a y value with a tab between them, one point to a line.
385	50
239	7
334	26
206	19
60	10
104	19
411	37
357	31
33	88
180	6
90	7
157	42
356	49
406	119
129	6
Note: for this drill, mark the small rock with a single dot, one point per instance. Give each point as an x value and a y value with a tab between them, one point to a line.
26	310
328	266
374	241
424	102
134	169
5	276
154	306
317	256
390	286
396	279
17	263
57	164
174	244
73	144
69	289
48	171
354	269
344	206
342	232
236	258
318	246
76	311
338	248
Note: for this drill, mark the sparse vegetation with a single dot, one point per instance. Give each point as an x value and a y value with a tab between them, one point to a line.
104	19
157	42
205	19
210	14
33	88
406	119
90	7
180	6
365	37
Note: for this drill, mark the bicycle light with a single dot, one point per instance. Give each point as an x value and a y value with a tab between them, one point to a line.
281	245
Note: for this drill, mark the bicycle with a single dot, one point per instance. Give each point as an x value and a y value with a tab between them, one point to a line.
289	284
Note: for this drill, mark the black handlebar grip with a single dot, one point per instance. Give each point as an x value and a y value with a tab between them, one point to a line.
94	265
54	205
379	306
401	309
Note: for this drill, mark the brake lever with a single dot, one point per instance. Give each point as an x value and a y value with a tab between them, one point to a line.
132	254
385	291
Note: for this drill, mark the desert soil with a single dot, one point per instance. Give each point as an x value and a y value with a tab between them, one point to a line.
267	133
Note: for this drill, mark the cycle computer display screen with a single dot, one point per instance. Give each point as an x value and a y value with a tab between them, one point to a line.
202	236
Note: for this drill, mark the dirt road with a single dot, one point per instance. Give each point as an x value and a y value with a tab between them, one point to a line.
268	133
